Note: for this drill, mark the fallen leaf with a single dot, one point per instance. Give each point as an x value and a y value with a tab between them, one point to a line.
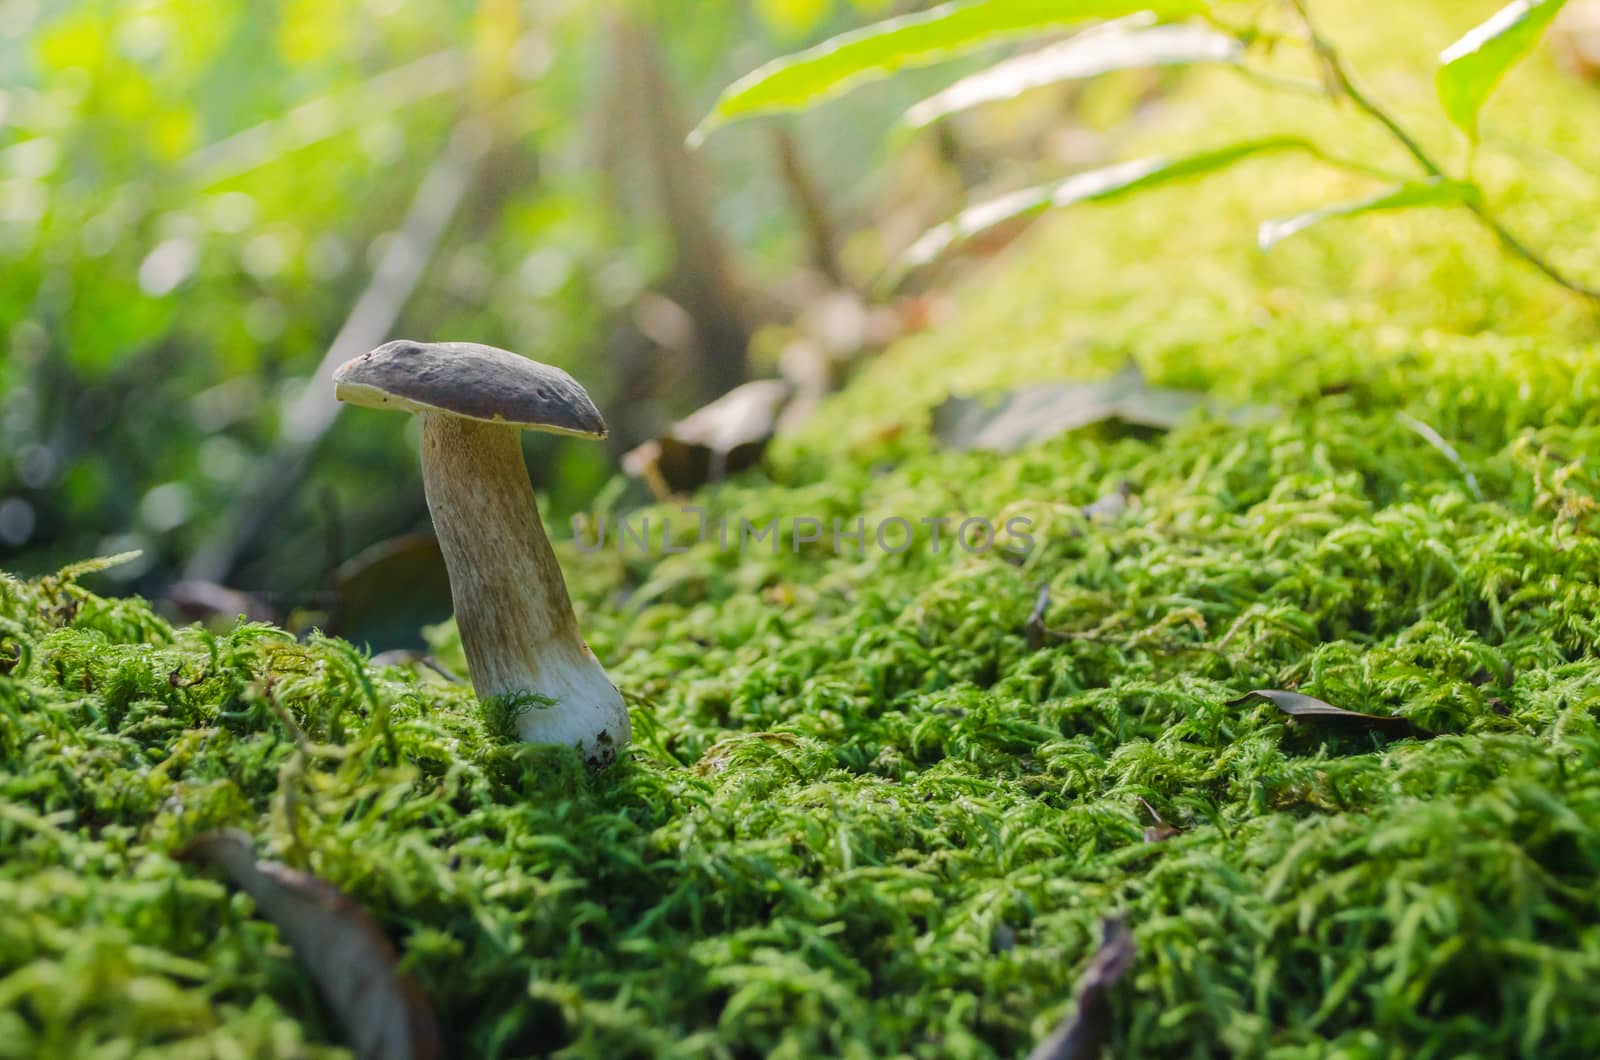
197	600
1299	705
385	1014
1160	830
1035	627
388	592
1112	506
723	438
407	657
1006	422
1083	1034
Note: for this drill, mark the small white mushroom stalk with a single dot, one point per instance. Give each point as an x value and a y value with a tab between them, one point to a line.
517	625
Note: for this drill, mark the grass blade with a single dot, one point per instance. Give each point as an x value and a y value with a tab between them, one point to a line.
1471	67
1401	197
1087	55
1108	182
806	78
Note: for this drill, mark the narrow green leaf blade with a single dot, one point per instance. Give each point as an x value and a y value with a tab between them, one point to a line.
1090	54
1400	197
806	78
1471	67
1108	182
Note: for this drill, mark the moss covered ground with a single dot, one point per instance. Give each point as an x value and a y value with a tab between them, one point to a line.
866	813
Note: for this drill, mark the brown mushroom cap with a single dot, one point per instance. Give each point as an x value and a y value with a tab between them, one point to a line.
472	381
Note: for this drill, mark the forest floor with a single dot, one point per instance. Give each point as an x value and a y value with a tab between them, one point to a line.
877	803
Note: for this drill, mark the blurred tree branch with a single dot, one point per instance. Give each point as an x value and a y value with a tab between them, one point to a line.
811	205
328	116
702	278
306	421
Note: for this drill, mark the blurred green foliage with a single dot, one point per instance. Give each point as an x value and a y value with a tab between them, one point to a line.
193	196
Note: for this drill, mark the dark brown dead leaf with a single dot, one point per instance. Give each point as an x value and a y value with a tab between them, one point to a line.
388	592
1299	705
1006	422
723	438
1082	1035
385	1014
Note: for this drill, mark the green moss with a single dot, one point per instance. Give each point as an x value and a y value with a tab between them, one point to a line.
865	815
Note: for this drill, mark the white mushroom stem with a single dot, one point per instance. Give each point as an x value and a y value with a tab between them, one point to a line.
517	626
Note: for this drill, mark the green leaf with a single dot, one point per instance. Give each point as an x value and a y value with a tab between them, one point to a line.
1117	46
1097	184
1472	66
806	78
1400	197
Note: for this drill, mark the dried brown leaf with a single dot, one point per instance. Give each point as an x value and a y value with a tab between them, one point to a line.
723	438
1299	705
1003	423
384	595
1083	1034
196	600
384	1012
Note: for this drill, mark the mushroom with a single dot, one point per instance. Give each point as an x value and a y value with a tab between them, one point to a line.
517	626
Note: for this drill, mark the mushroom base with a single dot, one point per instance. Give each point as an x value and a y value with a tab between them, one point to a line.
517	626
600	728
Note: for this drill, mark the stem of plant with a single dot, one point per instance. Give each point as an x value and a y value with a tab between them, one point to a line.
1286	84
1334	63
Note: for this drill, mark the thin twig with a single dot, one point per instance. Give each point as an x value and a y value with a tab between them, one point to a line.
1336	68
441	192
1346	84
1448	451
1278	81
704	279
328	116
811	204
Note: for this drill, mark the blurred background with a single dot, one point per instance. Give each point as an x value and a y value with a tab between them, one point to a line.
204	208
